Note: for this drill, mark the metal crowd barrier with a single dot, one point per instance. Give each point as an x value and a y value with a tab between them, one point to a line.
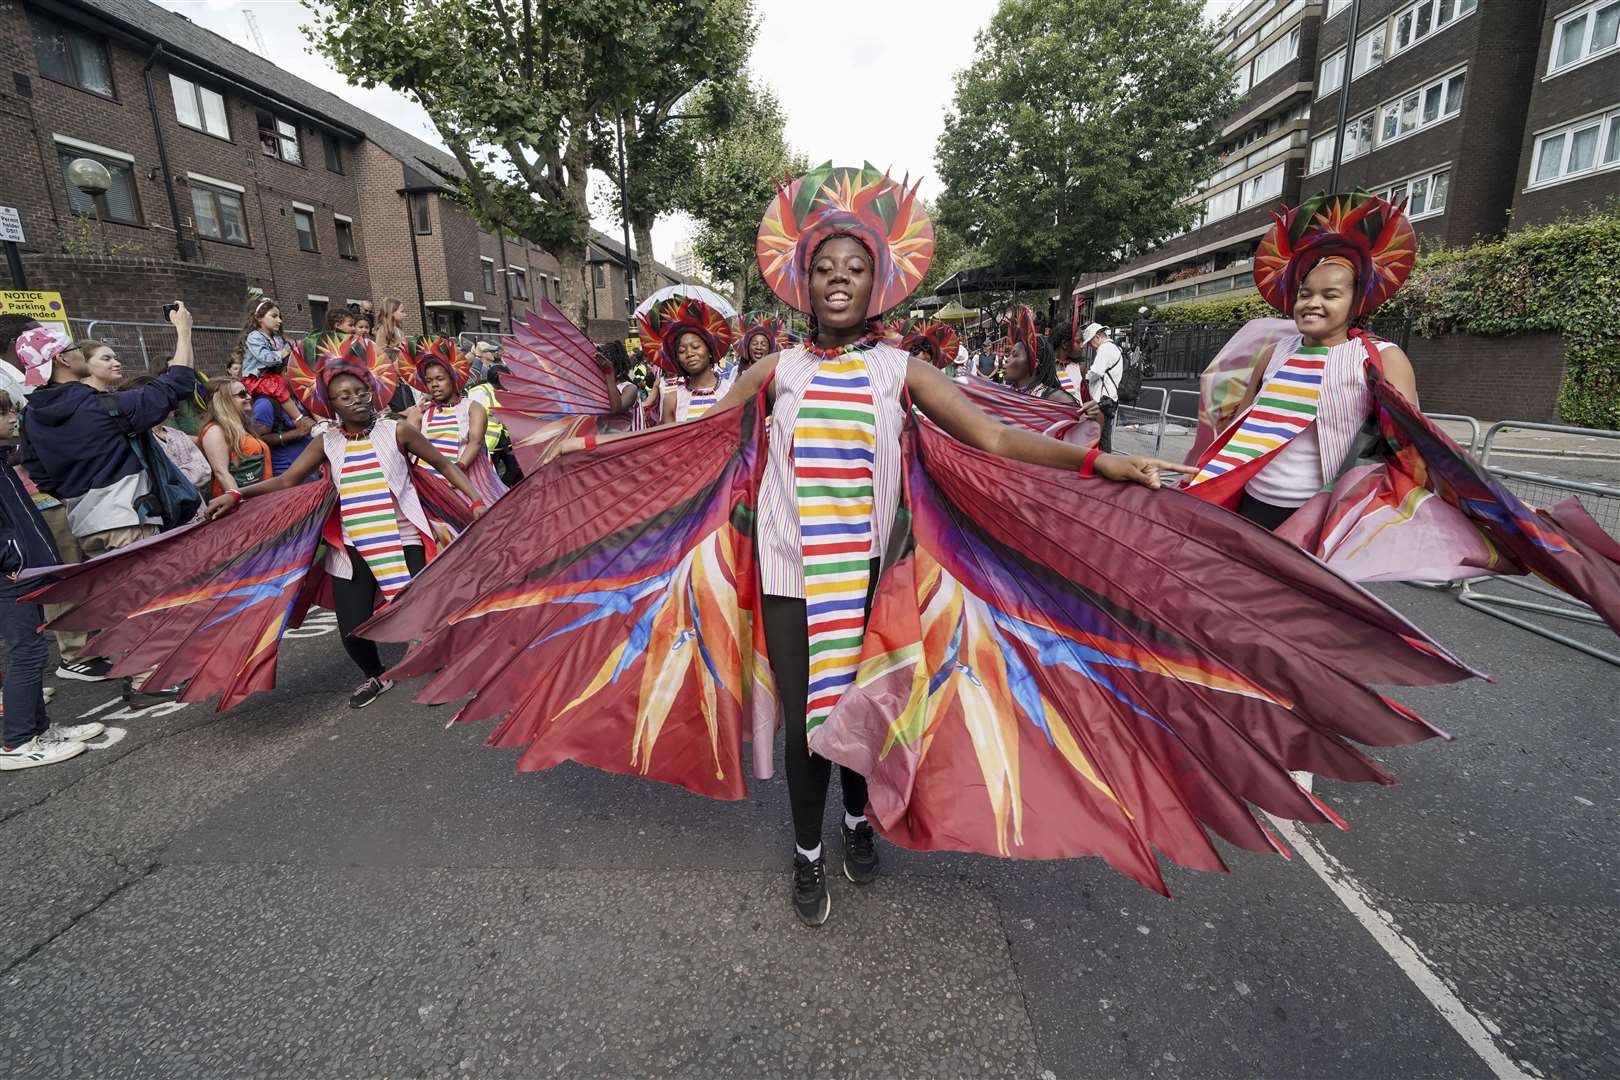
154	342
1602	501
1473	427
1146	419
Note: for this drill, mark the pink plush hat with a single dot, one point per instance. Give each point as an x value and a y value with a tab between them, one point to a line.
36	348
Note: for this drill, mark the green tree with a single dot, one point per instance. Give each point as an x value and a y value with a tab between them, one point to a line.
517	89
687	96
951	254
738	165
1078	130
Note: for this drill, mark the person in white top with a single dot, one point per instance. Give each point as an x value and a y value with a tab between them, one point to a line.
1103	377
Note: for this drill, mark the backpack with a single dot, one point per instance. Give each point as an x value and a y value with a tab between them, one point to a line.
1130	383
170	496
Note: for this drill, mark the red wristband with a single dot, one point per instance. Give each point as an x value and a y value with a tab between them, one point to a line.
238	495
1087	467
590	440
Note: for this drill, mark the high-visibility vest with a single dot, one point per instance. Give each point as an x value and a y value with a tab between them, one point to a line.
484	394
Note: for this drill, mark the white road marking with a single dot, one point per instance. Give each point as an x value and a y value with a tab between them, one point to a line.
1477	1032
316	625
111	737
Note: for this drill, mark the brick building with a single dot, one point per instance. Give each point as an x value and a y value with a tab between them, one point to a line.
211	162
221	158
1481	114
1569	157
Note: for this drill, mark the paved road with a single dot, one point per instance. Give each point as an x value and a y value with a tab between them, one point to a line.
297	890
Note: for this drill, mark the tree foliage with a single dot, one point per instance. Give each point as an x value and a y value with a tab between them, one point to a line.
1079	128
518	89
734	178
689	94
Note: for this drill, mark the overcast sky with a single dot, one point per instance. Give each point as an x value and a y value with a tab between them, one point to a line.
860	79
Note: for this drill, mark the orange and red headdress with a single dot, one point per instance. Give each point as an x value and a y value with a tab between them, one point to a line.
941	340
1021	330
419	354
773	329
663	324
1371	235
888	218
318	359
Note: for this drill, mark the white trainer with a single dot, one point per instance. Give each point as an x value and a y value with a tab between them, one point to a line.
34	753
71	732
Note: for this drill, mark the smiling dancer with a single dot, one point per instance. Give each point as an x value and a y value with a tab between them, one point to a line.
452	421
688	339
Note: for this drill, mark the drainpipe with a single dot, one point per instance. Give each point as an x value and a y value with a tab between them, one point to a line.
163	154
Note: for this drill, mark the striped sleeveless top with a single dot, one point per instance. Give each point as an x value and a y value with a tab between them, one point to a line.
444	428
780	545
383	448
691	404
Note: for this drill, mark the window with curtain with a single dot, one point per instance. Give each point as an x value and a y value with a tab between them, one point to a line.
120	203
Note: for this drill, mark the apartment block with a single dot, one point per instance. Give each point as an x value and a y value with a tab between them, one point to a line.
1272	47
1569	157
1480	114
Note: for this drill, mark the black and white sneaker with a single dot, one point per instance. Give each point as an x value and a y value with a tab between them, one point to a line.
369	691
860	853
810	897
95	669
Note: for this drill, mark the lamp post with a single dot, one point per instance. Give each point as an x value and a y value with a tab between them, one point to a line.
91	177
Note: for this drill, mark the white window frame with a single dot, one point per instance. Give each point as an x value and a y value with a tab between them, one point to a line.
1334	7
1392	45
1247	202
1587	55
1322	89
1293	35
1382	30
314	225
1430	175
1311	168
92	148
1421	91
1372	140
1607	120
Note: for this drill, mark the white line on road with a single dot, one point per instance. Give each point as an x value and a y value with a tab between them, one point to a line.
1478	1033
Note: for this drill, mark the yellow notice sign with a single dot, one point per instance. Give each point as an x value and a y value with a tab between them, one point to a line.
43	307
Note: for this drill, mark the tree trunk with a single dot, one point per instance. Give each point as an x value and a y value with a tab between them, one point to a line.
740	292
647	268
571	262
571	272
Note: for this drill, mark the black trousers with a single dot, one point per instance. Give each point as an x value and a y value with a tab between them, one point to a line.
356	599
1110	409
787	639
1266	515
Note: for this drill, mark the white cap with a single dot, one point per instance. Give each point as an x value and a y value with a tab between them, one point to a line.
1091	331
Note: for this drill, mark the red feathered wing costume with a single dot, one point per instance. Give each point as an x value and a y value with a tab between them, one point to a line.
1055	665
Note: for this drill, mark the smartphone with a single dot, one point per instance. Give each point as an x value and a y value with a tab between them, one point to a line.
169	309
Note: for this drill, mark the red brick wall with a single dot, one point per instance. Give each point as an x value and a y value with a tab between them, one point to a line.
385	224
271	262
135	289
1490	378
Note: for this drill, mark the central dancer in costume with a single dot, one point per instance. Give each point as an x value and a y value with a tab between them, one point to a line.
452	421
688	338
1053	665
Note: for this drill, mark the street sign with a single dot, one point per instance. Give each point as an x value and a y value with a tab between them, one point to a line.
43	307
11	230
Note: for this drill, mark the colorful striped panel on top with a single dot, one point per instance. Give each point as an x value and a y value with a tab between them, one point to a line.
833	454
443	429
1286	406
699	402
370	519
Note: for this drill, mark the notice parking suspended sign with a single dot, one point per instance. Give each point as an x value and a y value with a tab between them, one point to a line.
43	307
10	225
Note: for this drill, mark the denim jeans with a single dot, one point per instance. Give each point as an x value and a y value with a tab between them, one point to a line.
26	657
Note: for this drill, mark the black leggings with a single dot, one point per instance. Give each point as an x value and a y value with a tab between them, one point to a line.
1266	515
787	639
355	599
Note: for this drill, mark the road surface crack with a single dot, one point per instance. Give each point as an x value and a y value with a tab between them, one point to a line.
135	877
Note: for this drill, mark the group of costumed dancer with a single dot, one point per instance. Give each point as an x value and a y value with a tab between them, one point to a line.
1007	642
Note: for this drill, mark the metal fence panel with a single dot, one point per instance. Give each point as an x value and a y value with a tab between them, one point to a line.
1182	351
1601	500
148	346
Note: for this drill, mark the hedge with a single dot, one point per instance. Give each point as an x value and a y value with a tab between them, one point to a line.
1563	278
